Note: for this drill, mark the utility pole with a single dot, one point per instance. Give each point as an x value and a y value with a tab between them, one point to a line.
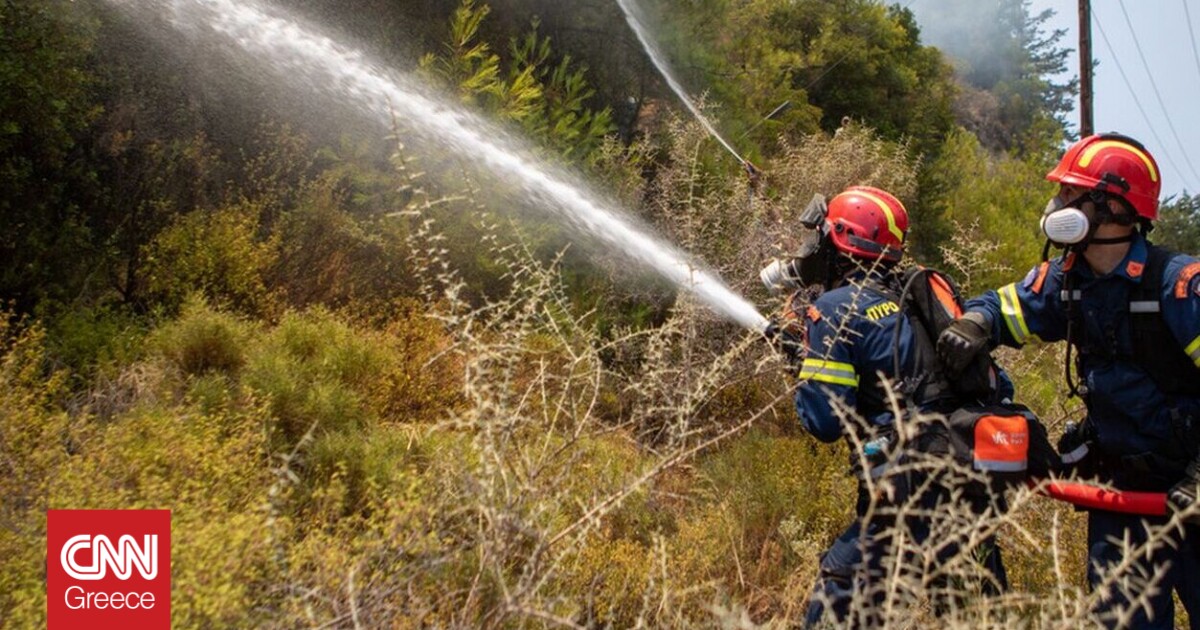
1086	128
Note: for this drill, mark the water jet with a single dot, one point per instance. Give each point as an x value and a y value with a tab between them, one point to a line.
297	53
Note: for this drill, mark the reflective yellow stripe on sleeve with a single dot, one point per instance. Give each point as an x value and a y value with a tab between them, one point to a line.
829	372
1010	308
1193	351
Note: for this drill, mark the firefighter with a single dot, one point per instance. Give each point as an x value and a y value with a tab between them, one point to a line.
1130	313
845	348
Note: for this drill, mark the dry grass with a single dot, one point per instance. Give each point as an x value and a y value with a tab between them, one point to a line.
552	475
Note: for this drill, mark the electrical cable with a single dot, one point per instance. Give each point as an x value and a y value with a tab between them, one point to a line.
1191	33
1133	93
1157	95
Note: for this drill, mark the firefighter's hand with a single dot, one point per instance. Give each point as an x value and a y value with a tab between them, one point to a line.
1183	495
784	339
1075	448
752	171
964	338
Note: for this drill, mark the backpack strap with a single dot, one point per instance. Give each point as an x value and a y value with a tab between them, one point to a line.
1155	348
931	301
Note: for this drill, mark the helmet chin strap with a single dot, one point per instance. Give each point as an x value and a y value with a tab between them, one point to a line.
1104	216
1111	240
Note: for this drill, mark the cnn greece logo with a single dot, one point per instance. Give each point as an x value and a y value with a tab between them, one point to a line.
104	568
122	557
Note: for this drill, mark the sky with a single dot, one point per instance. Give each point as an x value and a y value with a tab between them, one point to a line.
1158	27
1161	29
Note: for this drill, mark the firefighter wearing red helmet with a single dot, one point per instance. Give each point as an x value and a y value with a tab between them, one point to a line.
868	223
1130	314
855	334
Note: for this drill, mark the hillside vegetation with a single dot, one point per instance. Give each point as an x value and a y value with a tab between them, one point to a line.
374	397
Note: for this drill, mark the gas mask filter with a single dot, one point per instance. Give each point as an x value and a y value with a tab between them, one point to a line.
1066	226
1064	223
812	260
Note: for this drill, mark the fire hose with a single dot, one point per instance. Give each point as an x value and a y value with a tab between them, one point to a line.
1097	498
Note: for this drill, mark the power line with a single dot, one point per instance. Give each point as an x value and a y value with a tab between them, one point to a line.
1191	33
1133	93
1157	95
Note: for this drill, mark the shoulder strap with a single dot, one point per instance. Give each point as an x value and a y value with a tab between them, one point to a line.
1146	295
931	301
1155	349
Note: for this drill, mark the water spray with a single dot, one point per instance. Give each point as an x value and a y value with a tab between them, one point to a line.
636	20
298	54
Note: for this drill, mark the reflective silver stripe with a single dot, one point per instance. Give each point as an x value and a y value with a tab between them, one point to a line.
1144	307
1074	456
996	466
1070	296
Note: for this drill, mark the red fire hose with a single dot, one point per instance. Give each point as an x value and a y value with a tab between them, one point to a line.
1089	496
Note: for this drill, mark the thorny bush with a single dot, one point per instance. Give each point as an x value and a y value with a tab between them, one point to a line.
501	462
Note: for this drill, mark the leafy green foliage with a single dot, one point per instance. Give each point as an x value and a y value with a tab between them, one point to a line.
858	59
1178	225
1008	64
995	200
47	106
548	99
92	342
218	254
203	340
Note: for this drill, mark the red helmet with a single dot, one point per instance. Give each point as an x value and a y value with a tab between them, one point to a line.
868	223
1115	164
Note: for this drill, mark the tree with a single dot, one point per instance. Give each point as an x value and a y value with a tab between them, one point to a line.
1178	225
46	107
1008	64
853	58
547	98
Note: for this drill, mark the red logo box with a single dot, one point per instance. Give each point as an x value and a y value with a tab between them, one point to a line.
108	569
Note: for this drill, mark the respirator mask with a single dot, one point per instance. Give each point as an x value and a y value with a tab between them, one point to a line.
1066	225
813	260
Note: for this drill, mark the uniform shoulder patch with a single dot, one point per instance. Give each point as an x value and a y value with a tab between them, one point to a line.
1184	280
1036	278
1029	278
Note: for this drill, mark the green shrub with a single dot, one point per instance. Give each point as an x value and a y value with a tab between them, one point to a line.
34	441
315	370
204	340
422	380
612	579
997	201
299	400
90	340
764	481
217	254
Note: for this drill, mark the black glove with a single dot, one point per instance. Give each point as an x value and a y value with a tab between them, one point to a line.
785	339
1183	495
1075	448
964	338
